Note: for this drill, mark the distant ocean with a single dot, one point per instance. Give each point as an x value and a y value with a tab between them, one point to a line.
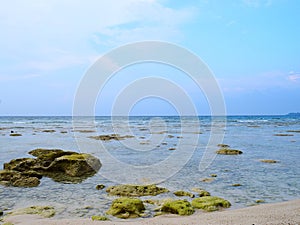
259	137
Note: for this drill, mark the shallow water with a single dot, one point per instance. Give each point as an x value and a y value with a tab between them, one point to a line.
254	135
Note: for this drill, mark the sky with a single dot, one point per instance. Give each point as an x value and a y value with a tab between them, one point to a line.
251	46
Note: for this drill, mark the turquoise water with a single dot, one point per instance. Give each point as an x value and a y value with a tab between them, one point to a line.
254	135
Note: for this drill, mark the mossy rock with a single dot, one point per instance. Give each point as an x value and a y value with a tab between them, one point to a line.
18	179
184	193
180	207
61	166
227	151
44	211
201	192
152	202
207	180
269	161
1	213
236	185
213	175
136	190
125	208
210	203
99	218
259	201
48	131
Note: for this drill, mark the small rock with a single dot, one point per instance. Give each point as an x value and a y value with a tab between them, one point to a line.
172	149
269	161
201	192
180	207
99	218
210	203
236	185
207	180
260	201
48	131
44	211
184	193
100	186
213	175
125	208
136	190
227	151
223	146
15	135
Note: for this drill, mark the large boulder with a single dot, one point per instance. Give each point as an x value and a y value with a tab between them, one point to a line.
136	190
61	166
125	208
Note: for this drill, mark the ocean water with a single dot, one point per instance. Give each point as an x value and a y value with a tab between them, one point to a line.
256	136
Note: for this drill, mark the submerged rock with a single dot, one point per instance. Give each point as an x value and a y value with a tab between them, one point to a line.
61	166
223	146
100	186
201	192
184	193
269	161
44	211
136	190
99	218
210	203
108	137
180	207
227	151
125	208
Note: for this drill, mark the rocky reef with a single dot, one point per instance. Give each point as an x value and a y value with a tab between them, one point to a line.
61	166
135	190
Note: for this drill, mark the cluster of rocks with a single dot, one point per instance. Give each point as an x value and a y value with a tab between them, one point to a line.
129	206
61	166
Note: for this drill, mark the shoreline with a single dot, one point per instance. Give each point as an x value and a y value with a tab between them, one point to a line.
274	213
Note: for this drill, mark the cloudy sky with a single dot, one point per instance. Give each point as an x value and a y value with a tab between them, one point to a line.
252	47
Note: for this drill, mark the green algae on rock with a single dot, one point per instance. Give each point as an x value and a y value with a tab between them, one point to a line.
136	190
184	193
15	135
99	218
108	137
201	192
180	207
18	179
44	211
227	151
125	208
100	186
61	166
210	203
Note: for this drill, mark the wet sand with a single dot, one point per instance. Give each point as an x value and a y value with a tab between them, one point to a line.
267	214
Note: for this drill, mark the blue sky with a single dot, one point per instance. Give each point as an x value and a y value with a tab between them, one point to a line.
252	47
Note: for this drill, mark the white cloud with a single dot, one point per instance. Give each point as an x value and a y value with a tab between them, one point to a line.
294	77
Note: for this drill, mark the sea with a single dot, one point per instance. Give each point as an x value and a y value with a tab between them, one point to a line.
175	152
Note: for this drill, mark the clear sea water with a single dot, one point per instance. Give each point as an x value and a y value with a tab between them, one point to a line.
254	135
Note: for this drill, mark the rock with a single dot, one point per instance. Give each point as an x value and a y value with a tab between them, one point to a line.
293	131
44	211
15	135
110	137
260	201
61	166
1	213
223	146
269	161
100	186
236	185
210	203
152	202
184	193
125	208
180	207
207	180
99	218
227	151
18	179
283	135
136	190
172	149
201	192
213	175
48	131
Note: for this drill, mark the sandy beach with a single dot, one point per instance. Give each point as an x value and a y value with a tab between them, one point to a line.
275	214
